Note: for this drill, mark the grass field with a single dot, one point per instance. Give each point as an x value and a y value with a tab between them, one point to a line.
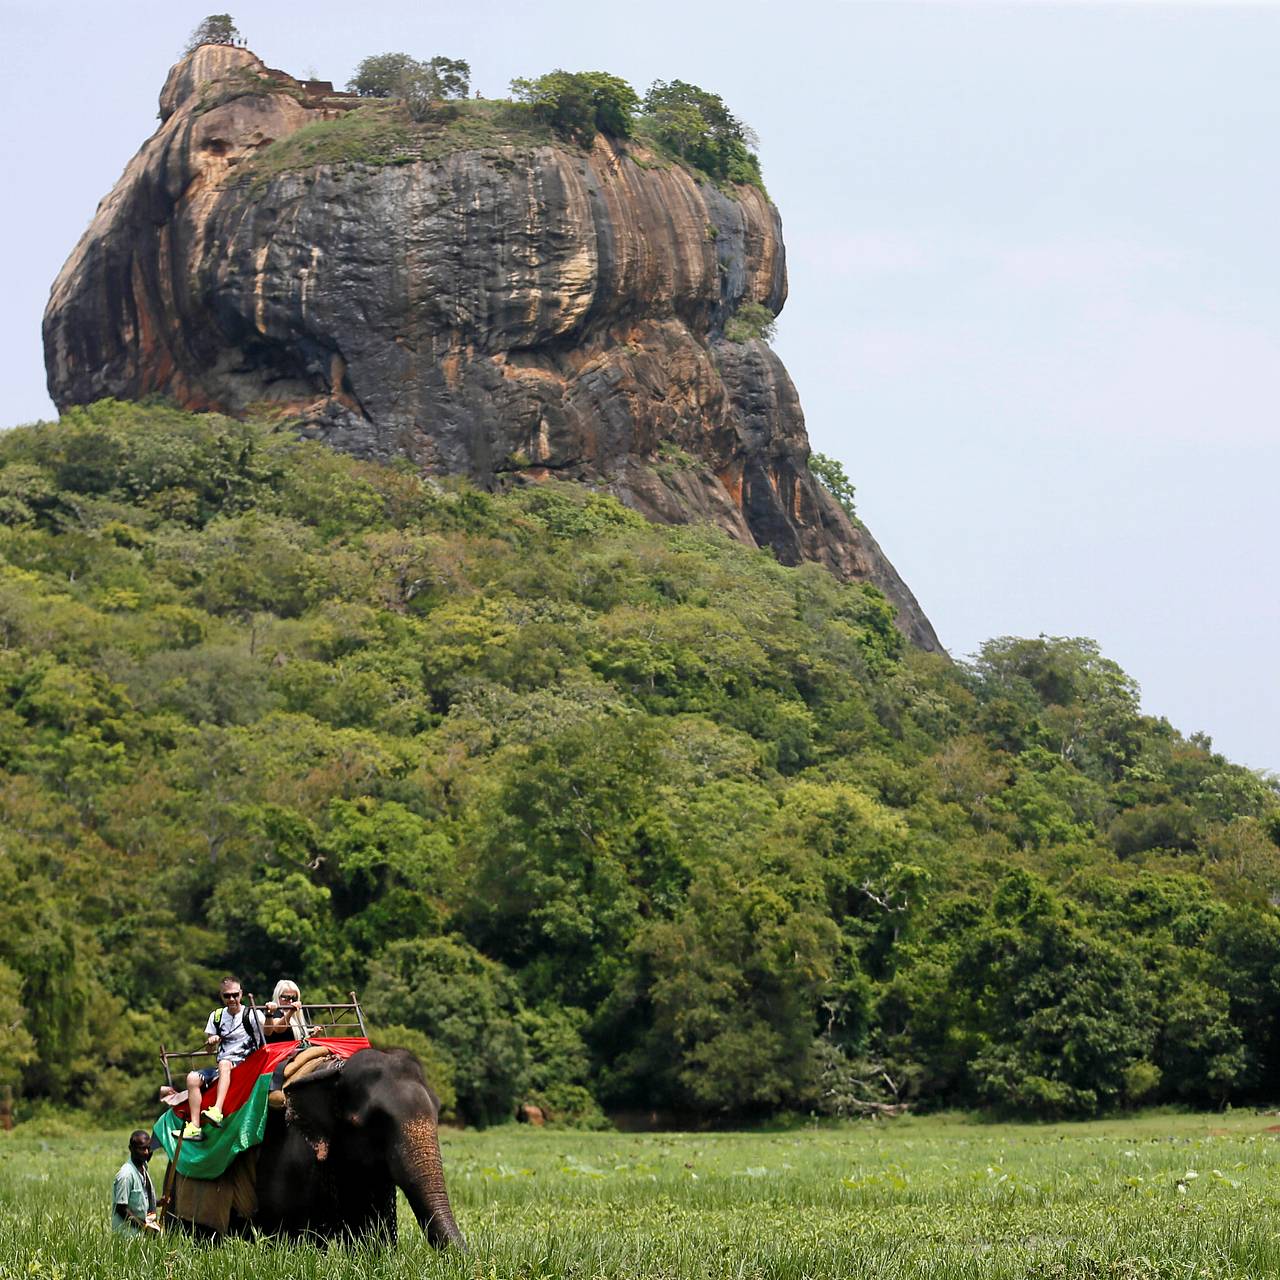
1184	1196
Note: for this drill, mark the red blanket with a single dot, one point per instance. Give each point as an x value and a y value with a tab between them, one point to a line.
264	1061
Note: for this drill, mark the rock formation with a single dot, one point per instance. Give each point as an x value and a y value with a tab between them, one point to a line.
491	303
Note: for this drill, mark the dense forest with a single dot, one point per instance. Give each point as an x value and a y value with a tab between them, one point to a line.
593	813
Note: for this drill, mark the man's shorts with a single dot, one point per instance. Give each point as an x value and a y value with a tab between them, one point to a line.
208	1077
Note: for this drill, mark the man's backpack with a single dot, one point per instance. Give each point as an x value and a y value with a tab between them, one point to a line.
247	1021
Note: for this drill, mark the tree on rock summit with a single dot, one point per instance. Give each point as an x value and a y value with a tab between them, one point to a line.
217	28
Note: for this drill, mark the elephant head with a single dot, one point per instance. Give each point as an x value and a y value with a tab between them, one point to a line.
376	1111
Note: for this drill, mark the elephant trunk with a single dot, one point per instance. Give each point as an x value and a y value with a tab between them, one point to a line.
420	1175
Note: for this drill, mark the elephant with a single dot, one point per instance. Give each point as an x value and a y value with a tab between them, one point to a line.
351	1132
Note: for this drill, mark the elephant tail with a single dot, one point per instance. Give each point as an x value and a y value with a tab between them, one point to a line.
420	1176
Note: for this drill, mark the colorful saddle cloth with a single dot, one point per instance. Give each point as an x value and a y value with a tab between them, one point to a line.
245	1109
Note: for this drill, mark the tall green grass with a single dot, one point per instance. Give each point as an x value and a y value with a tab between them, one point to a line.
1159	1196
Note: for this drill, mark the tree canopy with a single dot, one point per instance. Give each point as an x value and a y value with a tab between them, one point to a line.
595	813
217	28
834	478
419	83
580	104
698	126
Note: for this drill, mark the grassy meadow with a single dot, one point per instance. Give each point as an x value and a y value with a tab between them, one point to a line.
1159	1195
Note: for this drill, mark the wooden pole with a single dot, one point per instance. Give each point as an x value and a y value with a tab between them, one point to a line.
257	1036
171	1182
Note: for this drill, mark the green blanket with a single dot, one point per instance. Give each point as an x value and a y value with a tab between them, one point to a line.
209	1158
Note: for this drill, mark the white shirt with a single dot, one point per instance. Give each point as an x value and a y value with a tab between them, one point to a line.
234	1044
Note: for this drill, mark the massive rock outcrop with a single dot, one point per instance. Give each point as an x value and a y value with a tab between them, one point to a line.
488	301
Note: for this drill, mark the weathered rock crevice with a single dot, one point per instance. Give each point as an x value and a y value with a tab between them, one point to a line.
520	308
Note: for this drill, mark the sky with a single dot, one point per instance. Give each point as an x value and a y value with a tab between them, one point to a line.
1034	302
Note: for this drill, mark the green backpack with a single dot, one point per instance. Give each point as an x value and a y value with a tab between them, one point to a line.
249	1023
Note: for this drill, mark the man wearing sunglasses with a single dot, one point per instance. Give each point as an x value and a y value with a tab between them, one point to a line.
233	1034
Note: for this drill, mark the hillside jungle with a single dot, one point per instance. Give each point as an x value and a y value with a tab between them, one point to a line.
594	814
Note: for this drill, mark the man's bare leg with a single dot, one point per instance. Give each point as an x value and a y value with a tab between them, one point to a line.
224	1083
193	1096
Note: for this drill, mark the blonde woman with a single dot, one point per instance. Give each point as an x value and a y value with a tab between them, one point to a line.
284	1013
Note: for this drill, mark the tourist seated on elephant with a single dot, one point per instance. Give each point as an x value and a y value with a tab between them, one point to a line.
284	1020
232	1034
281	1020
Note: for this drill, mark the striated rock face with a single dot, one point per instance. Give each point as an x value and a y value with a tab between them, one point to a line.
501	310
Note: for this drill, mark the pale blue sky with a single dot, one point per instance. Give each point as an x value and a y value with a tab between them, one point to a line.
1034	280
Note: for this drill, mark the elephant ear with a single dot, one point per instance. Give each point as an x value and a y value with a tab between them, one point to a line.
313	1105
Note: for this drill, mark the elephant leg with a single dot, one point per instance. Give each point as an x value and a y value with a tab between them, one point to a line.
369	1213
294	1194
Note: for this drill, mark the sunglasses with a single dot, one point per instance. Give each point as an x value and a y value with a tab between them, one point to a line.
284	998
231	995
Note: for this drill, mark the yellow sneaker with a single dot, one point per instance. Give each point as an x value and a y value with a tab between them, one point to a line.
192	1133
214	1116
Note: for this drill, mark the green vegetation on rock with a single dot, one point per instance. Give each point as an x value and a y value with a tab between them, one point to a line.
750	320
611	814
217	28
834	478
697	126
391	75
418	110
244	82
382	133
424	86
579	104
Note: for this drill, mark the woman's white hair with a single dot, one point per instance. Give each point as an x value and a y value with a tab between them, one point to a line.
286	984
294	1021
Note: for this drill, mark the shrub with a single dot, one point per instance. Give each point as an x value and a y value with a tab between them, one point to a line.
580	104
751	320
831	475
699	128
570	1105
1141	1080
